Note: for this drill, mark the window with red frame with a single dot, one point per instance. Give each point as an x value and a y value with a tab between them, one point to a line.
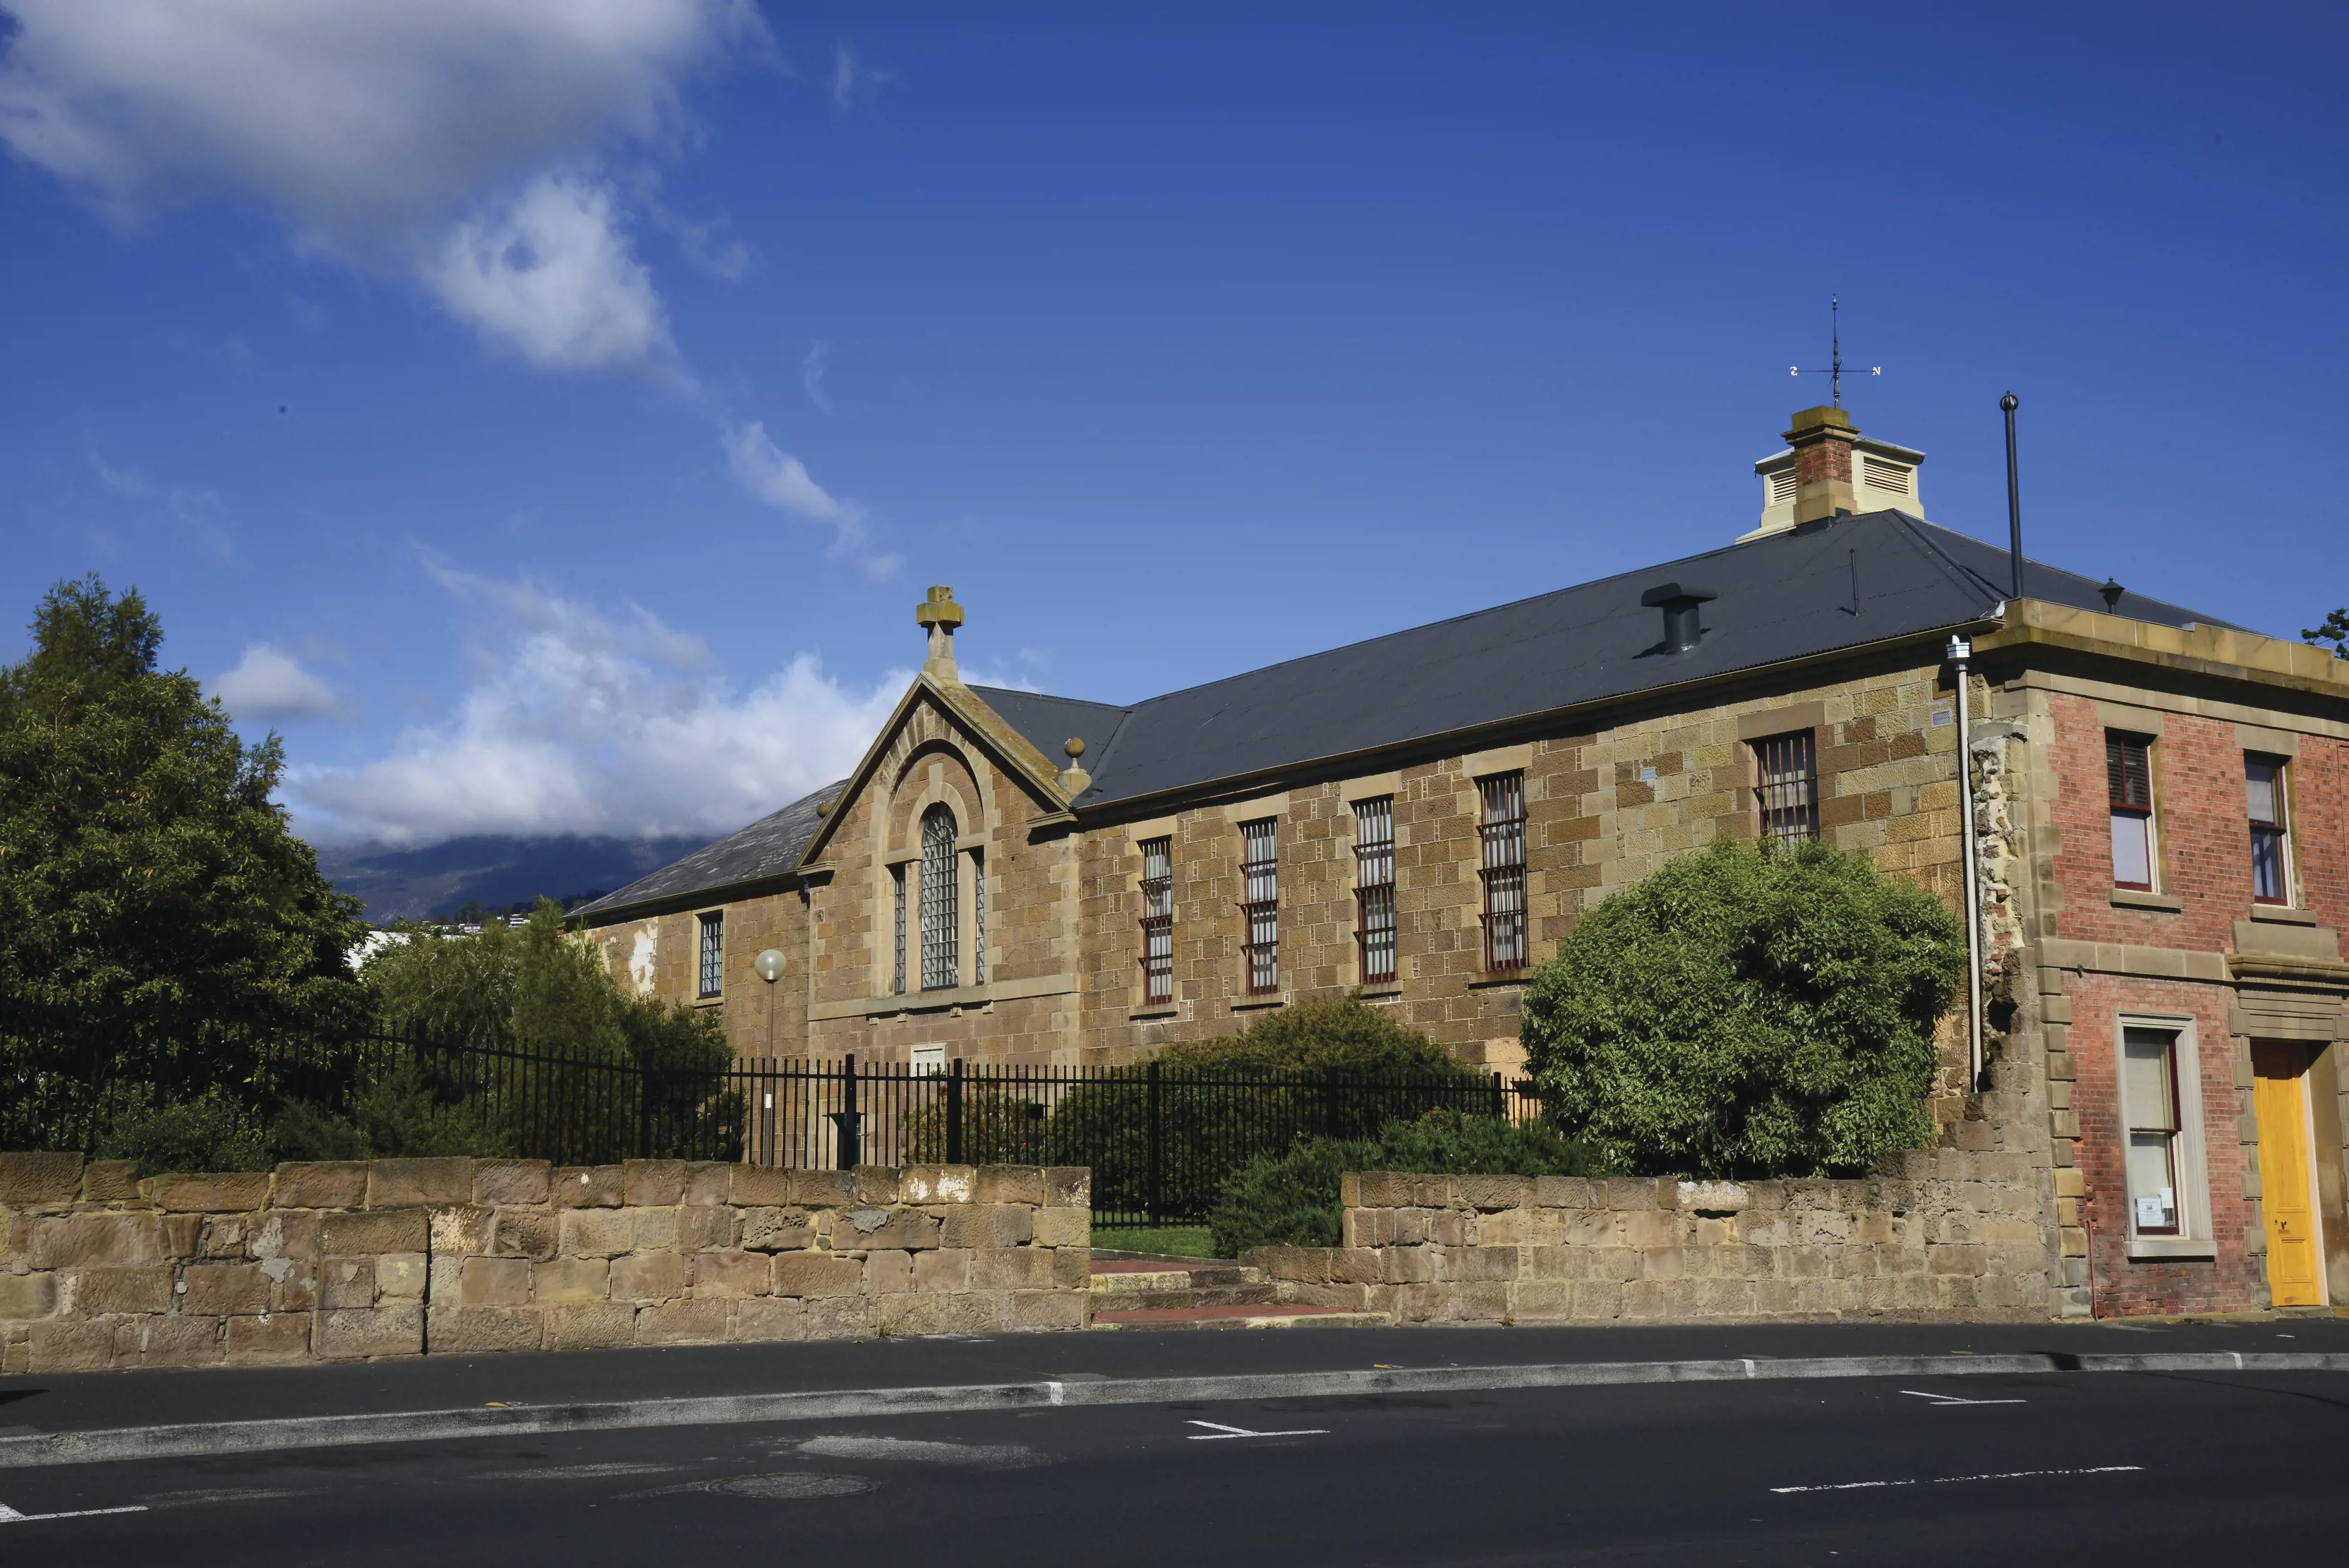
1157	921
2270	841
1260	868
1502	829
2128	775
1375	909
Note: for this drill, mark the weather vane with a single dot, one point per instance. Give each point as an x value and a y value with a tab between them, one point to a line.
1834	371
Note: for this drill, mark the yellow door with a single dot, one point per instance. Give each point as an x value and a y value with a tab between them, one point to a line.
2280	1098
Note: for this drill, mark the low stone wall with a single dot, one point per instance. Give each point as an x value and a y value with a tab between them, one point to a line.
1960	1235
339	1261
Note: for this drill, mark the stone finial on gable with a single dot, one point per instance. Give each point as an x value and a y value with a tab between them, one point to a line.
940	616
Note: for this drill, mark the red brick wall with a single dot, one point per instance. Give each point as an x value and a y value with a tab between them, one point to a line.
2124	1287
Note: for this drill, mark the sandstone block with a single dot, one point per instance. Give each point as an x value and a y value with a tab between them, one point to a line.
76	1240
939	1183
224	1235
588	1187
418	1183
902	1230
877	1184
887	1273
470	1330
702	1229
375	1233
367	1334
274	1339
653	1230
732	1273
595	1234
26	1296
777	1230
590	1326
1626	1192
1011	1184
1068	1187
526	1233
1349	1190
768	1319
707	1183
822	1189
811	1274
1047	1309
683	1323
1542	1301
1712	1196
1381	1189
1010	1269
109	1181
499	1183
759	1186
650	1276
32	1179
321	1184
570	1280
652	1183
1494	1192
167	1341
1561	1193
973	1312
224	1289
1062	1227
181	1235
346	1282
1482	1302
947	1269
284	1233
900	1315
1072	1267
464	1232
136	1288
1407	1265
399	1277
494	1282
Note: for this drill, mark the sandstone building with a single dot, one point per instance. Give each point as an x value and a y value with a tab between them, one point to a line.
2159	806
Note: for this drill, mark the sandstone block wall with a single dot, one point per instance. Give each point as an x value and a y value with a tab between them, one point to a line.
336	1261
1957	1236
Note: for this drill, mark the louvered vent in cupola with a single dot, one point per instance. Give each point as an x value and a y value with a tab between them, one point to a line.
1783	485
1895	478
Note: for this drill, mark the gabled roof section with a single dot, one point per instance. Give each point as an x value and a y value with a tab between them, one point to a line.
1826	587
769	847
1050	722
1007	746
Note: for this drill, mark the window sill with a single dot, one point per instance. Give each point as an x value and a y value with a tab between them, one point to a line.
1153	1015
2162	903
1486	982
717	1000
1255	1003
1385	990
2284	914
2156	1248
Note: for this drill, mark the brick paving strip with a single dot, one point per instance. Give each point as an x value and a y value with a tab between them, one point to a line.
126	1443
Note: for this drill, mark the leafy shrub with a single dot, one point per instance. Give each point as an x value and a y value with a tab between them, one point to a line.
1330	1066
1748	1011
397	1117
998	1128
213	1131
1291	1198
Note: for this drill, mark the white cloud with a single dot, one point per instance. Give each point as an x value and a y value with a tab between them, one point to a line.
268	683
813	365
548	276
580	722
193	509
783	481
375	126
852	79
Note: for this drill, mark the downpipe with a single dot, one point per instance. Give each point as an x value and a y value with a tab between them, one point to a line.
1961	654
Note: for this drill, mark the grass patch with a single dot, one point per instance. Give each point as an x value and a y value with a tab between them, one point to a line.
1177	1241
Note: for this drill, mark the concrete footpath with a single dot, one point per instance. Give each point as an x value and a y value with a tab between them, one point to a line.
96	1417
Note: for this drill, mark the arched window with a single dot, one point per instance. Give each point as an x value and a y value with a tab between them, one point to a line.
941	909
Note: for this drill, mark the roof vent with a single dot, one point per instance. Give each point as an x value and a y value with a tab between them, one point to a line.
1679	601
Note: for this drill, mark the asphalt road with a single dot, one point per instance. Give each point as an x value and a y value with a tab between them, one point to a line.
2200	1469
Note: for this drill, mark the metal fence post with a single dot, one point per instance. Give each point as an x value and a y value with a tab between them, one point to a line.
1500	1100
1153	1160
1329	1101
852	1134
954	1112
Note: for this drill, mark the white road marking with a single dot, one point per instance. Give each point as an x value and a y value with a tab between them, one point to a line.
10	1516
1948	1480
1222	1431
1953	1399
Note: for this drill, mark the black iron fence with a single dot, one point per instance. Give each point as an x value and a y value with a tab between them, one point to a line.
1159	1141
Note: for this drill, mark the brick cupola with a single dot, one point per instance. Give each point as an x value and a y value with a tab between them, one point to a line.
1827	466
1821	440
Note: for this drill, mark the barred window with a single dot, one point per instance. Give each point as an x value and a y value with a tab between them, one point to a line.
978	918
1502	827
713	953
1260	865
897	981
1374	908
2129	778
1786	786
941	901
1157	921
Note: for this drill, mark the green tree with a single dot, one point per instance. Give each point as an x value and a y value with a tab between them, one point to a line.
2336	630
157	917
1747	1011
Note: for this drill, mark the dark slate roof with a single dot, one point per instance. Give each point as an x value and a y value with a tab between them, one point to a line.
1786	595
1815	590
769	846
1048	723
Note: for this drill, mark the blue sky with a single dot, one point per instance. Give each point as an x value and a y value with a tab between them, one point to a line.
548	419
